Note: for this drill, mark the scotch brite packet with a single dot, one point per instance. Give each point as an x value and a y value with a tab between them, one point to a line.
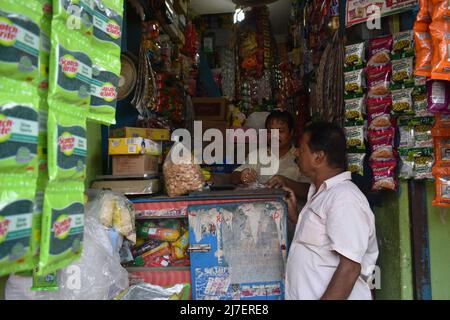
20	39
18	127
104	88
70	67
74	16
62	226
16	211
67	143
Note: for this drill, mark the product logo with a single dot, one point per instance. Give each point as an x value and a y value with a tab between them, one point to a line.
66	143
5	128
8	32
113	29
69	65
108	92
61	226
4	223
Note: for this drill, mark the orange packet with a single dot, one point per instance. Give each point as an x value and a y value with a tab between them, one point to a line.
440	10
440	61
424	13
423	48
442	183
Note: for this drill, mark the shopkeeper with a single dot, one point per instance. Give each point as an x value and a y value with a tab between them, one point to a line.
288	174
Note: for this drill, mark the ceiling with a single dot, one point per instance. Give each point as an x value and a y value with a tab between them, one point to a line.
279	11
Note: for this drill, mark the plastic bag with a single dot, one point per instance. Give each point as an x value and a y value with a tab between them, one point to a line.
438	96
19	288
181	174
147	291
117	212
384	175
440	33
424	49
101	275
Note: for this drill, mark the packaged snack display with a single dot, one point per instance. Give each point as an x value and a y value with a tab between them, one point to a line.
402	102
440	62
422	133
354	109
403	45
62	226
438	96
384	175
403	73
354	83
18	128
67	145
355	137
356	163
354	56
16	217
423	164
20	40
423	48
419	95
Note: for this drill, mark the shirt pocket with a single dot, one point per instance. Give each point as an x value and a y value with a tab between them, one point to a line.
313	230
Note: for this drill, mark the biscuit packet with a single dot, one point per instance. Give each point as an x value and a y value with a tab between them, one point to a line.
402	73
403	45
402	102
354	56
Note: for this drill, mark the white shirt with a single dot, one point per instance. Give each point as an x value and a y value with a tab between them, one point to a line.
337	217
287	167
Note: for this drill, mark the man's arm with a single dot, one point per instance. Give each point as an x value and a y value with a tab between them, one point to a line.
343	280
236	177
300	189
291	201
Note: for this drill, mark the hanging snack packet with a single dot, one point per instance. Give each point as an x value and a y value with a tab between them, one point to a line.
442	183
379	51
423	164
402	73
18	127
420	81
425	11
422	133
402	101
378	106
442	150
384	175
381	143
356	163
419	96
380	122
441	10
354	83
104	88
403	45
16	212
406	131
67	145
71	67
62	226
354	109
423	48
354	56
440	61
19	40
378	80
406	163
438	96
355	137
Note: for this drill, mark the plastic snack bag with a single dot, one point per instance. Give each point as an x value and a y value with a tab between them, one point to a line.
62	226
356	163
18	127
403	73
354	83
406	164
354	109
419	96
423	164
16	215
354	56
181	174
402	102
67	143
442	184
403	45
422	133
424	49
440	62
438	96
384	175
378	79
355	137
380	51
406	131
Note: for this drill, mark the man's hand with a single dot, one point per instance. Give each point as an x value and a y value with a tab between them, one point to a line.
291	201
248	176
277	181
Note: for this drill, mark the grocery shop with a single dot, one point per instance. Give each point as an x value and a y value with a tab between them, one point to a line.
176	149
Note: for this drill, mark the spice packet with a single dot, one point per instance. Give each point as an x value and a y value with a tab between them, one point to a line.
354	83
67	143
354	109
356	163
402	102
355	137
354	56
16	214
402	73
384	175
19	127
403	45
62	226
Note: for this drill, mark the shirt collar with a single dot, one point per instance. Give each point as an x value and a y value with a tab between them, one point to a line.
329	183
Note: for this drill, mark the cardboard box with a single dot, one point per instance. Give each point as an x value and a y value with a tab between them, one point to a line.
130	187
147	133
135	165
126	146
214	109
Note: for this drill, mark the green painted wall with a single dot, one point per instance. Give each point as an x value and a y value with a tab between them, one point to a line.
439	242
394	244
94	153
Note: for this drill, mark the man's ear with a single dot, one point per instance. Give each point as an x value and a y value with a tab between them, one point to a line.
319	158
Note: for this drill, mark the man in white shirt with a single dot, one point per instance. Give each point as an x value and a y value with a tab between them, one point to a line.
334	247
